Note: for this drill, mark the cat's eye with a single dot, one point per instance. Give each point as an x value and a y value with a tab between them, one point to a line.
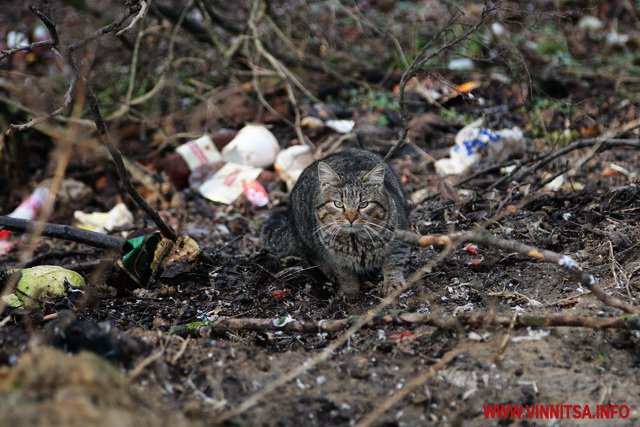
363	205
338	204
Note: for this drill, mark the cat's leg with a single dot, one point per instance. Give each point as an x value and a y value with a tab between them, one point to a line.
349	285
393	267
348	281
278	235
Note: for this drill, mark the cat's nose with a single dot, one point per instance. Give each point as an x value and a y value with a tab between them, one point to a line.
351	216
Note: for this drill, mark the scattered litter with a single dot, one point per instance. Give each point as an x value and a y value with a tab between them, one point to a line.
281	321
475	144
474	336
467	380
341	126
614	38
254	145
476	262
16	39
280	294
532	335
321	379
199	152
6	246
403	336
568	262
460	64
561	183
614	170
291	162
590	23
556	184
104	222
497	29
226	185
471	248
141	255
311	122
534	303
255	193
467	87
29	210
37	284
30	207
188	157
435	91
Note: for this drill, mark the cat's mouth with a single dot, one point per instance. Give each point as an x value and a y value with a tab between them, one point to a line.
351	228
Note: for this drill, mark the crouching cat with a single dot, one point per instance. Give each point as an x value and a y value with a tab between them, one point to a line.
342	215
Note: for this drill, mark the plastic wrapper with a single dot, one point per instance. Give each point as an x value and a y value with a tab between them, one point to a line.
228	182
291	162
188	157
475	144
253	146
103	222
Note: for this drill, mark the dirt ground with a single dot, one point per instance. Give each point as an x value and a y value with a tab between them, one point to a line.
165	378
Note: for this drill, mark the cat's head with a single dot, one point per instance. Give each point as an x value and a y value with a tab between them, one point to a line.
352	204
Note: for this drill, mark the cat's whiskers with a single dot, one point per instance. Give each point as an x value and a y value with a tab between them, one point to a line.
375	233
366	229
377	225
323	227
334	231
378	232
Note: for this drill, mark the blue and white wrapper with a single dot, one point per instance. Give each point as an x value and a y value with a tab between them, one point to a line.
475	144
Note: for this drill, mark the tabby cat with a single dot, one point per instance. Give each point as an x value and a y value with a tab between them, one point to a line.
342	215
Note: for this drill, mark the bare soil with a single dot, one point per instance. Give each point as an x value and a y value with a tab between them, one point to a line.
190	379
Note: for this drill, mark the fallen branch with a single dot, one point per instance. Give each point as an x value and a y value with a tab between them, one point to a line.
483	238
133	8
65	232
218	326
330	349
601	144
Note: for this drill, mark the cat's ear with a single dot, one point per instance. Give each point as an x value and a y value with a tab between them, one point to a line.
375	176
326	175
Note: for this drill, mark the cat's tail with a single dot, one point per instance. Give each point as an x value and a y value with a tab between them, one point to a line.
278	235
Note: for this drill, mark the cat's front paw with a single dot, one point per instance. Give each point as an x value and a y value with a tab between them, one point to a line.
350	290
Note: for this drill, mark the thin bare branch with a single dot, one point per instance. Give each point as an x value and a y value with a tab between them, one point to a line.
484	238
422	59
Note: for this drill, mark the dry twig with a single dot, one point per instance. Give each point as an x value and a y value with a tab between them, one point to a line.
567	263
477	320
132	9
423	57
60	231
